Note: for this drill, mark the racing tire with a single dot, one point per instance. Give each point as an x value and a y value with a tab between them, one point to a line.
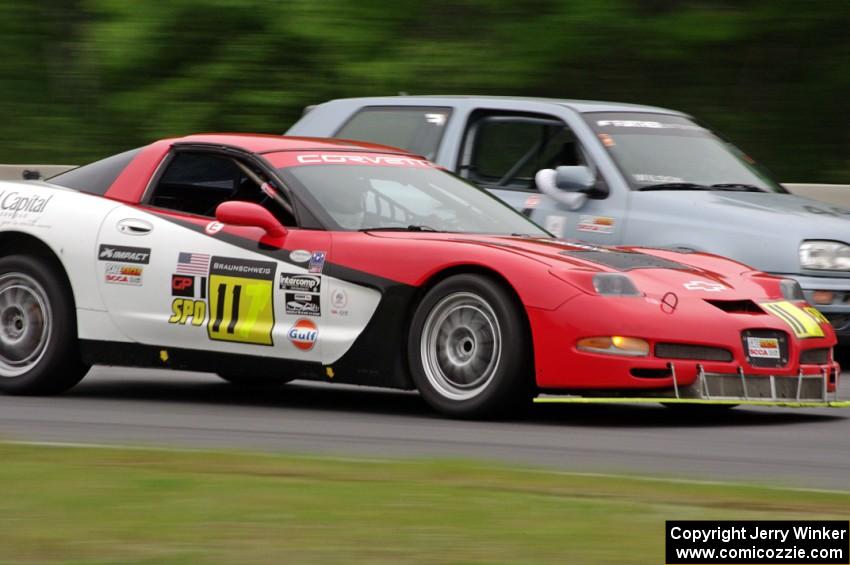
469	349
39	351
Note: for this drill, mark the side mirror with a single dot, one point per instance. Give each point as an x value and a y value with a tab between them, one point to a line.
249	214
575	179
546	181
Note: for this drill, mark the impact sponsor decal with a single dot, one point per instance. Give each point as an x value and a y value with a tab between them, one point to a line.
123	274
763	347
802	323
705	286
595	224
303	283
241	300
317	262
138	255
339	302
303	304
303	334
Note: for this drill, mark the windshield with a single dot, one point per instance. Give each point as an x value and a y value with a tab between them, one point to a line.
399	194
666	152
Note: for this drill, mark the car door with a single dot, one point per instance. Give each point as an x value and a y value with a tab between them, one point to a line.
503	151
171	275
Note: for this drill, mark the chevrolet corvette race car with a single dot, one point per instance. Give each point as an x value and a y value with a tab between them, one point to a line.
264	258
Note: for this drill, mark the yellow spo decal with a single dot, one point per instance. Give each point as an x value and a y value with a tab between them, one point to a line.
801	322
241	304
184	309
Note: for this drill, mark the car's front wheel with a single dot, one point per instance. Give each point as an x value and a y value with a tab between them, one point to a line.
469	348
39	353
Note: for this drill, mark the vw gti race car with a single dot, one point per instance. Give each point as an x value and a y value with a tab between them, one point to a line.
267	259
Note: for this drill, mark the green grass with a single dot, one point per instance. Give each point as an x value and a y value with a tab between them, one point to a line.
84	505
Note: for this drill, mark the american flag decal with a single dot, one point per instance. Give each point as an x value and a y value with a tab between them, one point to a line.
193	264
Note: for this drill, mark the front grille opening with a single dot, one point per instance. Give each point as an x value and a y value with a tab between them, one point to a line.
737	306
651	373
694	352
819	356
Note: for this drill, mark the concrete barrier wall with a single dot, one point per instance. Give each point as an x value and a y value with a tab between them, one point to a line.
14	172
837	194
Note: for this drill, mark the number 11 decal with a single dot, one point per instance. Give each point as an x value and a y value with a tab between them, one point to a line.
241	300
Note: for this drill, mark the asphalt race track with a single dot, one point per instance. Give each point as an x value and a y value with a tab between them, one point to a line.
802	447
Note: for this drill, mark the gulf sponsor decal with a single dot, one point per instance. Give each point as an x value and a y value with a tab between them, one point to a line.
302	158
303	334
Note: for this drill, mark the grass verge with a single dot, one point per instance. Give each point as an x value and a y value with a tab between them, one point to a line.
85	505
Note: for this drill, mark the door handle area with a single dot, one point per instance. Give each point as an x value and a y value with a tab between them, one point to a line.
134	226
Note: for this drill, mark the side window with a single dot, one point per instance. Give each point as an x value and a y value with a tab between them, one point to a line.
506	151
97	177
196	183
418	130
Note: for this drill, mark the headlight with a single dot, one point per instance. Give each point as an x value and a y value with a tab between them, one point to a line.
614	284
615	345
825	255
791	290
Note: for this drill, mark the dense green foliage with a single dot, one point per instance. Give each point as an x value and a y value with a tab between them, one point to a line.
84	78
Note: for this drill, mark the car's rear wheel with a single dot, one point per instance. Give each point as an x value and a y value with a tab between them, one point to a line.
39	353
469	348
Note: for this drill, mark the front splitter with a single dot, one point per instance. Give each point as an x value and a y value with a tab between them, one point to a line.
696	401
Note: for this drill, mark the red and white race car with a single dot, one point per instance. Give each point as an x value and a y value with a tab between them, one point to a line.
266	257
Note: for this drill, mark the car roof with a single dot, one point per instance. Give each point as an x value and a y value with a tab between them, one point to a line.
264	143
456	100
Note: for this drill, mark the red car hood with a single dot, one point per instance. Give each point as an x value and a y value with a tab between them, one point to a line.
654	271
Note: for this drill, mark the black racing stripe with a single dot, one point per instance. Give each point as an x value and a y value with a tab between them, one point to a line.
626	260
794	323
330	269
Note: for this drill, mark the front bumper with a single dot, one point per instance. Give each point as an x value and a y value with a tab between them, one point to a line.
806	390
